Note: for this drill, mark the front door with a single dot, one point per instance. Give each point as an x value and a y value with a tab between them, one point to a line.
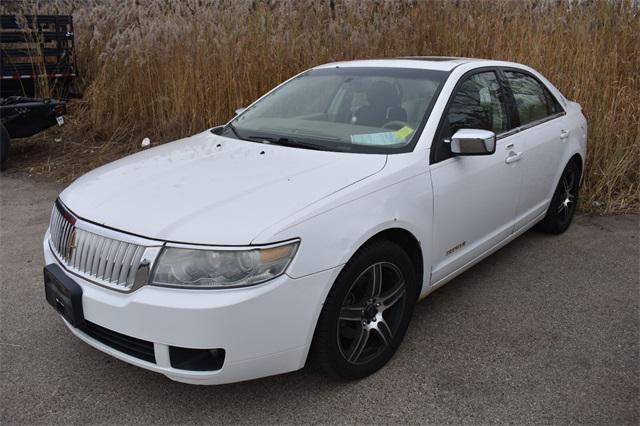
475	197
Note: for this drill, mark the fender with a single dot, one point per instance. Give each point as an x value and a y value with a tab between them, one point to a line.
352	216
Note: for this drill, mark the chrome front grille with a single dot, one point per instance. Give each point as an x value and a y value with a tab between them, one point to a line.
107	261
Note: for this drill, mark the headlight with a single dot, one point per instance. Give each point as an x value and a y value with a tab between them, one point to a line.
215	268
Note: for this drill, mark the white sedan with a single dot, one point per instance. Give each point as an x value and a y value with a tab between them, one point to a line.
313	221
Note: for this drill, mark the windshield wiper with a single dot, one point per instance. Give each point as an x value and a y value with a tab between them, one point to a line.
233	130
287	142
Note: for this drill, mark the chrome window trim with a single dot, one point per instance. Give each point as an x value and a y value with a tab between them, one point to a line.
541	121
528	126
505	135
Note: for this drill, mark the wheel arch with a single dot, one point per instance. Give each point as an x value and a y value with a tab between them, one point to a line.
577	158
406	240
409	243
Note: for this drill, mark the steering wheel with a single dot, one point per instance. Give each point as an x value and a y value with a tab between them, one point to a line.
394	125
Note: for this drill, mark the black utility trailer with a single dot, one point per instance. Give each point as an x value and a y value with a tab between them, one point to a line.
34	49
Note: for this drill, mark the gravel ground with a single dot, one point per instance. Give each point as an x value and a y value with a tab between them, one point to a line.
544	331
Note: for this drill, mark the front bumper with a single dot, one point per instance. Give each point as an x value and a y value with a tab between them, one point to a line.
264	330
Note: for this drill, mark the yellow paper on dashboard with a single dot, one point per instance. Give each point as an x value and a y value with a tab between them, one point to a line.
404	132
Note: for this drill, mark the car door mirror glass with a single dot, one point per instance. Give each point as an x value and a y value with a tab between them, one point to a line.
473	142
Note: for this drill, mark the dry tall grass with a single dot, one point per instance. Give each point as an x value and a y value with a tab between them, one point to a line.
167	69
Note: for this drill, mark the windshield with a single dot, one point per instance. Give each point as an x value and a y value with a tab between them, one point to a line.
379	110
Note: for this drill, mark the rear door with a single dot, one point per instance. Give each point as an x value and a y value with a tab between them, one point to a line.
541	141
475	197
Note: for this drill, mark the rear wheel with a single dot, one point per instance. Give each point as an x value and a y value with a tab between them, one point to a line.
367	312
564	202
5	140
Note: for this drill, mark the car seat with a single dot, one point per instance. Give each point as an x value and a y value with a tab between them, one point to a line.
383	106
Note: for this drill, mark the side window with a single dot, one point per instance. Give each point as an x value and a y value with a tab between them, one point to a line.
533	100
478	103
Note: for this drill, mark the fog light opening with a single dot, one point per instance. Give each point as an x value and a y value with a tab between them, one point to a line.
196	359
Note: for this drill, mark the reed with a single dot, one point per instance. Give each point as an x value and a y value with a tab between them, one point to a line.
167	69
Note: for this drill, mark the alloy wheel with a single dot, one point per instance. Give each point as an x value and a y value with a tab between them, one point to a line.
568	197
371	312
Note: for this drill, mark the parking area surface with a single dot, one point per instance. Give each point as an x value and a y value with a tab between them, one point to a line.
544	331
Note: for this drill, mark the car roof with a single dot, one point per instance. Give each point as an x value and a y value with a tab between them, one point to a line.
438	63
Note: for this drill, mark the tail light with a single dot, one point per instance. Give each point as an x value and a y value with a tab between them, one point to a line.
60	109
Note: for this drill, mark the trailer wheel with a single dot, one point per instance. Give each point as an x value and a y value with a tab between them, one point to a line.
5	140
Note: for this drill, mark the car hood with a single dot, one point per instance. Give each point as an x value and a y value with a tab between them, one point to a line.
208	189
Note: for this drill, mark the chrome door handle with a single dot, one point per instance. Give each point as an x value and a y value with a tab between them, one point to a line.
564	134
513	157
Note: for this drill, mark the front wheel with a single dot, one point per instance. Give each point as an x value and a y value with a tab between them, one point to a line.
564	202
367	311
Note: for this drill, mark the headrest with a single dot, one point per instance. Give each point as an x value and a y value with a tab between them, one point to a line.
382	93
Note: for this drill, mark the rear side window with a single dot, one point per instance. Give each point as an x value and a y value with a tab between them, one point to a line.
533	100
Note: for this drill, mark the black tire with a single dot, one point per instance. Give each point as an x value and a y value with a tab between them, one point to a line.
384	318
564	202
5	141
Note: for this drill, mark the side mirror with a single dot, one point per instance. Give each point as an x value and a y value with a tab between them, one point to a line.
473	142
239	110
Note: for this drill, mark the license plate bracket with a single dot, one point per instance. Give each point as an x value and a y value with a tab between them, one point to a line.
64	295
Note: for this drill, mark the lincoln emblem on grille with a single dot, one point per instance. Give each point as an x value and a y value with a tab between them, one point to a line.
71	243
